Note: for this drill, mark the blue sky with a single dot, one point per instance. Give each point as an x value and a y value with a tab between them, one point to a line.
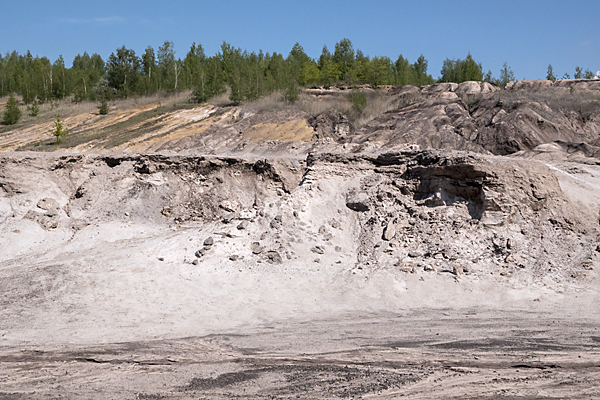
527	34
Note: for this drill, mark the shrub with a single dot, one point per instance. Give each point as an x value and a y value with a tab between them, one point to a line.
33	109
12	114
359	100
58	129
103	108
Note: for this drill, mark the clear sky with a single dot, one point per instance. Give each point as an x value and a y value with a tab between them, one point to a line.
528	35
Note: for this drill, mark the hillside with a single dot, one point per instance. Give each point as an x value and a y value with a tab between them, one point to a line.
443	242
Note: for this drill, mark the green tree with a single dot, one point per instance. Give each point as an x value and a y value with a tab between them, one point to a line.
588	74
103	108
343	56
403	72
309	74
58	129
168	65
506	75
578	72
550	74
420	72
123	71
12	114
151	81
34	109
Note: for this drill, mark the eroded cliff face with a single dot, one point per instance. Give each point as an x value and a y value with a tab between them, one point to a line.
93	235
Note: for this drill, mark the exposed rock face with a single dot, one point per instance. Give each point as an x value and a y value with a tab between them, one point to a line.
331	124
479	117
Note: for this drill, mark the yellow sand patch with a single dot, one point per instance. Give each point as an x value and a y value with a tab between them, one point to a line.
296	130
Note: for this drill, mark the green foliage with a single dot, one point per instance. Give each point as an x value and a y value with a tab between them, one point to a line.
578	72
12	114
588	74
58	129
550	74
358	99
343	56
33	109
103	108
459	71
506	75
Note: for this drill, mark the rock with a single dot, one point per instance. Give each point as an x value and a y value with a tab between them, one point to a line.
258	203
209	242
389	232
196	262
358	201
242	225
166	211
457	270
322	230
200	253
509	244
234	257
256	248
338	249
330	124
415	254
161	259
277	222
318	249
48	204
229	205
335	224
274	257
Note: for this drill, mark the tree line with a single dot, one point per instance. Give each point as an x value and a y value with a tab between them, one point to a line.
248	75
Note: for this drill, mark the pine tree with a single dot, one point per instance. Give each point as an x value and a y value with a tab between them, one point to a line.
12	114
103	108
550	75
58	129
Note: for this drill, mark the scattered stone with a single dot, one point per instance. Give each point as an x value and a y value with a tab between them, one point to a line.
295	213
234	257
318	249
509	244
274	257
209	242
457	270
280	192
338	249
200	253
389	232
335	224
277	222
428	268
358	201
258	203
322	230
196	262
415	254
243	225
509	258
256	248
161	259
166	211
229	206
48	204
